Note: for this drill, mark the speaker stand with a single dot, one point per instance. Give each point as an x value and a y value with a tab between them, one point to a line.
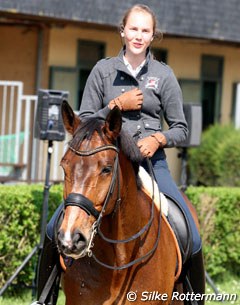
183	177
38	248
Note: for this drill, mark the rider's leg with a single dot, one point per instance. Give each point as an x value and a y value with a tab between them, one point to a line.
48	259
168	186
196	274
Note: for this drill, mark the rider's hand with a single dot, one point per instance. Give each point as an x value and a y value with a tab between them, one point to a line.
130	100
149	145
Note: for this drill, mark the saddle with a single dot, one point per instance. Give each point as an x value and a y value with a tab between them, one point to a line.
181	228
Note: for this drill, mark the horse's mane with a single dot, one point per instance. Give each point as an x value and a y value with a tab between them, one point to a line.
125	142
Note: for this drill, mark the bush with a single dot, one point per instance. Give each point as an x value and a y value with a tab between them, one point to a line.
229	161
218	210
216	161
20	214
219	215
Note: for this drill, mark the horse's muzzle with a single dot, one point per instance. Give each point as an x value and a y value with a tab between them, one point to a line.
72	244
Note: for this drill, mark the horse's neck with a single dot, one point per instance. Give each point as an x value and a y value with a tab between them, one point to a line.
128	218
129	193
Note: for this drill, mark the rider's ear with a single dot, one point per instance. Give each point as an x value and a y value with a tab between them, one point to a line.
70	119
113	123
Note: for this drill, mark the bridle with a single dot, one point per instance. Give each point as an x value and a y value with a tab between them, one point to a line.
75	199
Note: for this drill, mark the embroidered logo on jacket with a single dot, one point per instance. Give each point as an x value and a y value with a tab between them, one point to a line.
152	82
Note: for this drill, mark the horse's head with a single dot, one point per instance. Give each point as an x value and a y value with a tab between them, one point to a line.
90	167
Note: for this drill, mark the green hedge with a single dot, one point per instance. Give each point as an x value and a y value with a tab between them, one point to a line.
216	162
219	214
20	212
218	208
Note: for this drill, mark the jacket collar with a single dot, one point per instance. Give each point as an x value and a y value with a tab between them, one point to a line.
120	65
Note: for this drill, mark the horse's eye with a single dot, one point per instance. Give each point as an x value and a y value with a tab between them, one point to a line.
106	170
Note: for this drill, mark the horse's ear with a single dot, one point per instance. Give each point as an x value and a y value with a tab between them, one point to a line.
70	119
113	123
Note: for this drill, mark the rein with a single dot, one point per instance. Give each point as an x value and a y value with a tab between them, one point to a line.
84	203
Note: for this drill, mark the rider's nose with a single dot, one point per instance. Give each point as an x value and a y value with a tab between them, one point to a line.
139	35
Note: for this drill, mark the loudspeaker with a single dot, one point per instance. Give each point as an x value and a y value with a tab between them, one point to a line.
193	115
48	119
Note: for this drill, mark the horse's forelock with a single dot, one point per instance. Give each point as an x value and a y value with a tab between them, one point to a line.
86	130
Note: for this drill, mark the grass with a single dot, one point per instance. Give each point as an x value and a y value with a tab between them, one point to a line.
229	286
26	299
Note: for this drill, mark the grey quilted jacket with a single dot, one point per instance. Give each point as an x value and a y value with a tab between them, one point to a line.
162	97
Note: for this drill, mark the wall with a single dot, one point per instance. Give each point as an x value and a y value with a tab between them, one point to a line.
18	55
65	41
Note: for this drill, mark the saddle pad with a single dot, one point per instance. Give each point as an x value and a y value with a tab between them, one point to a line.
147	187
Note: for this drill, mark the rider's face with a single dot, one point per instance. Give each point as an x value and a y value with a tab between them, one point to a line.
138	32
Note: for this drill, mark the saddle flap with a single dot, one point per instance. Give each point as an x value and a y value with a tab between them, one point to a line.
181	228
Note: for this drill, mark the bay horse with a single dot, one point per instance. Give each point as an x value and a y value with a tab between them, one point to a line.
116	245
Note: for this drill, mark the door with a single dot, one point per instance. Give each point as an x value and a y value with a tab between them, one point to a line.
89	52
211	79
209	89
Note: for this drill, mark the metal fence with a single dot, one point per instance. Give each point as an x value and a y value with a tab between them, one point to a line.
18	147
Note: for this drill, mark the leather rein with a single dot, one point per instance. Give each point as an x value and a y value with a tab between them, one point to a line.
75	199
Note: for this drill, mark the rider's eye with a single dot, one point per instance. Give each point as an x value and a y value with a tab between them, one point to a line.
106	170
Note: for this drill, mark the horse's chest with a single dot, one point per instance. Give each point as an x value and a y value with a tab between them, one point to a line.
85	282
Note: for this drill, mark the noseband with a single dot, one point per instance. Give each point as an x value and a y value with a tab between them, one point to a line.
75	199
79	200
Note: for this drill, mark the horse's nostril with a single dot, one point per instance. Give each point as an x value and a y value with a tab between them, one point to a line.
78	237
71	243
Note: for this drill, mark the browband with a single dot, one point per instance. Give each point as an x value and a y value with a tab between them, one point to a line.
93	151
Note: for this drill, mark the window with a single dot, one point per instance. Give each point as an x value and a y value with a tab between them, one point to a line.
191	90
159	54
62	78
73	79
212	67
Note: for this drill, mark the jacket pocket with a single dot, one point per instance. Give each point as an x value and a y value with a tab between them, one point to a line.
150	124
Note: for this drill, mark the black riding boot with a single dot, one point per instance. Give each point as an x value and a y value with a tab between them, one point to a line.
196	276
48	259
